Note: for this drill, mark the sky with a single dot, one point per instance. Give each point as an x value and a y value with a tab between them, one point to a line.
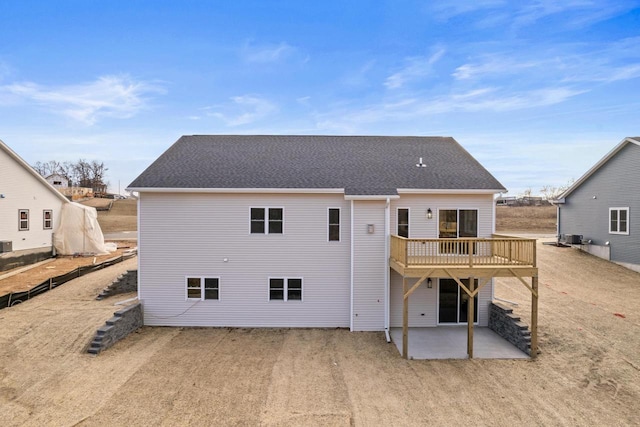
537	91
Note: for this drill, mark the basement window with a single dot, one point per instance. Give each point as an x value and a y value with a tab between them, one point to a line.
619	221
285	289
203	288
23	220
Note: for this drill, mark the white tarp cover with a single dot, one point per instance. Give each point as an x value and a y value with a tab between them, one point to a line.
79	232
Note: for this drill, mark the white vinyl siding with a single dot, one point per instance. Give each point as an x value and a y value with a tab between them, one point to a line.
369	266
22	190
216	239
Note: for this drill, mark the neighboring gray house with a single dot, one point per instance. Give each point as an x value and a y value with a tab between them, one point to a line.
320	231
600	212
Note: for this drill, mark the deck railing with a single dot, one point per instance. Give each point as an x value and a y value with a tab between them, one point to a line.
498	251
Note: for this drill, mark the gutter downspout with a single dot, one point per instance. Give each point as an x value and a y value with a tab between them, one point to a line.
558	223
138	206
387	275
351	271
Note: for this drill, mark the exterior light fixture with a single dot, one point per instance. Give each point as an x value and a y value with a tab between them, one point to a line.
429	214
370	228
429	283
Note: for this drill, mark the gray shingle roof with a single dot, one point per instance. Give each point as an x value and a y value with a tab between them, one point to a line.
362	165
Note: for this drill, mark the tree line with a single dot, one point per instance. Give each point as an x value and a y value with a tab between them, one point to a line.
81	173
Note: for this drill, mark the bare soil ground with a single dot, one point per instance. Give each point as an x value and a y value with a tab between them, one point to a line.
35	275
587	374
123	216
526	219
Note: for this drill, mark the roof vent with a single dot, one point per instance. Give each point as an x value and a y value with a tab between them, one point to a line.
420	164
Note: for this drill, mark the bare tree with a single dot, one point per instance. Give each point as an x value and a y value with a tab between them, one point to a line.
47	168
550	192
81	173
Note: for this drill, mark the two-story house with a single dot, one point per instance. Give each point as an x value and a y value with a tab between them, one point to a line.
360	232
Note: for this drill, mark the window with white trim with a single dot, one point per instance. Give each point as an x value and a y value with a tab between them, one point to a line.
267	220
334	224
203	288
23	220
47	219
403	222
285	289
618	220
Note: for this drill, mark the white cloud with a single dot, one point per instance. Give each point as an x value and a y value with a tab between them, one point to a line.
493	65
416	68
422	107
108	96
266	53
244	110
447	9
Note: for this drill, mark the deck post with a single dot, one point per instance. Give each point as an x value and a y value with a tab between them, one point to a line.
470	311
534	317
405	319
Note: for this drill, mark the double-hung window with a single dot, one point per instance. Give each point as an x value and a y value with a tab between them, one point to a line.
47	219
23	220
618	220
285	289
403	222
267	220
334	225
203	288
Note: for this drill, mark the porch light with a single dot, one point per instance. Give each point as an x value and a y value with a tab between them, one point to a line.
429	214
429	283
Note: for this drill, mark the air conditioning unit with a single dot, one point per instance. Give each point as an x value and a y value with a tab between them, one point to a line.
6	246
573	239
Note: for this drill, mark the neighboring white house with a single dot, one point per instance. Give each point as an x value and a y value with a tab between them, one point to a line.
319	231
600	212
29	211
59	182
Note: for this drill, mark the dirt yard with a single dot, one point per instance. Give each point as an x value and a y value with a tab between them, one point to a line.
123	216
24	278
526	219
587	374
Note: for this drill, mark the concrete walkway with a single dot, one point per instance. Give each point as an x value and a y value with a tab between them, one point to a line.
450	342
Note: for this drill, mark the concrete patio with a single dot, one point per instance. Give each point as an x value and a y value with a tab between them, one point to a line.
450	342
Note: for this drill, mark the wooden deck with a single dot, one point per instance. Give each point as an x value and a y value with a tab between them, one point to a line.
480	257
476	258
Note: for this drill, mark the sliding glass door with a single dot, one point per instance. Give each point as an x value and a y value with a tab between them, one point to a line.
457	223
453	302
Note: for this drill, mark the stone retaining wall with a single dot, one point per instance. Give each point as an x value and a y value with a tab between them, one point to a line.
125	283
119	326
506	324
